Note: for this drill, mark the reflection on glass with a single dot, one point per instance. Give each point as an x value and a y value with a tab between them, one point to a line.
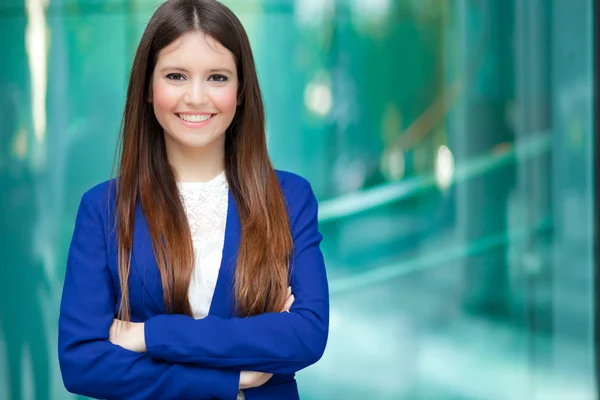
36	42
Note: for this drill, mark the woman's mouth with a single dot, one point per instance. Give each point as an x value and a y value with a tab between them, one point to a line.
195	118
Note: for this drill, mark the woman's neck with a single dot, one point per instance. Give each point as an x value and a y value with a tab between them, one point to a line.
196	164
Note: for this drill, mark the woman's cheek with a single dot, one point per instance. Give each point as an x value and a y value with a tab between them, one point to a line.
165	97
226	99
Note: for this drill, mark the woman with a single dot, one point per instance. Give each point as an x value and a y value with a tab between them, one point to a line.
179	268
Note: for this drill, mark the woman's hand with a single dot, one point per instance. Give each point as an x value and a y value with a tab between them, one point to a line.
289	301
251	379
130	336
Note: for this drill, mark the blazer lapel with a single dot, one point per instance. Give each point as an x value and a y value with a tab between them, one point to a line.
223	298
144	263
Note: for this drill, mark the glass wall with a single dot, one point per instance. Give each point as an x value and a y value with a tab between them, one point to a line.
450	145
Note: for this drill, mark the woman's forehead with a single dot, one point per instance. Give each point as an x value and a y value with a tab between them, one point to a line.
195	42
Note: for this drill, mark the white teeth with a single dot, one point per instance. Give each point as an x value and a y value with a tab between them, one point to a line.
194	118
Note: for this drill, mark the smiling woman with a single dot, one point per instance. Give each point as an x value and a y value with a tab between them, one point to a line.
198	207
194	94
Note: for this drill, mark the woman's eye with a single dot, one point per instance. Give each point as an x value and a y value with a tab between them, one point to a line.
175	77
218	78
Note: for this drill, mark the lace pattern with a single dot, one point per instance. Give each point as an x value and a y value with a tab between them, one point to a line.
206	206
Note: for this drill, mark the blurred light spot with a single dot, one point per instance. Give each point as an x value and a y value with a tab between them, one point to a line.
317	95
19	148
350	174
36	39
444	167
393	164
311	13
371	10
531	263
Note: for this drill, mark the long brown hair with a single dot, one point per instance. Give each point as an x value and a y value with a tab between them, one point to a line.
146	178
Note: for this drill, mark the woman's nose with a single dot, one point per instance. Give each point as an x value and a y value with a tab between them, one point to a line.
195	94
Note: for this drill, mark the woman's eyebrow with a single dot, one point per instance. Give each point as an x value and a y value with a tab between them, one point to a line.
226	70
180	69
172	68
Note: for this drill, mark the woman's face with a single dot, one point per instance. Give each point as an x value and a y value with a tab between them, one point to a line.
194	93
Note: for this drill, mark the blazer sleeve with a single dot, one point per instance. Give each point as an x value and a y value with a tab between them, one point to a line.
271	342
89	363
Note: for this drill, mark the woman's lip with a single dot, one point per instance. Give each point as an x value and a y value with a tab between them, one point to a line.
195	124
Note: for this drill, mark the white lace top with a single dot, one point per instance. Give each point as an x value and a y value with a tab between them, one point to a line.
206	205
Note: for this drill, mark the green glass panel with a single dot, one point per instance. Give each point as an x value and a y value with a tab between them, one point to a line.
449	144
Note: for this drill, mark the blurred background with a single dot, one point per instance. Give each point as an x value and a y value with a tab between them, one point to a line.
449	142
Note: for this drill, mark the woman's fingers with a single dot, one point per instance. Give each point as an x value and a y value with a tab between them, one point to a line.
289	301
112	332
264	378
251	379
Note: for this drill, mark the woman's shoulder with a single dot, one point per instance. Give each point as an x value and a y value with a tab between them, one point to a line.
292	184
101	193
300	200
296	190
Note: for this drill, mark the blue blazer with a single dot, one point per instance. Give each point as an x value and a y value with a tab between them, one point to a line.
186	358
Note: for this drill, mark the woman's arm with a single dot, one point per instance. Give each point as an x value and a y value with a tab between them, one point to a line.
90	364
273	342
